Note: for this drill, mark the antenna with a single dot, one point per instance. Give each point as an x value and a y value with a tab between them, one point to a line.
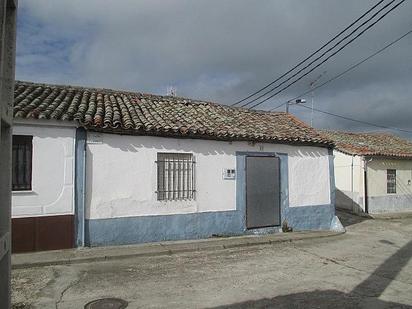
312	85
171	91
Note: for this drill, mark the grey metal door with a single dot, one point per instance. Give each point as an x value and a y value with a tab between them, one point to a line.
262	192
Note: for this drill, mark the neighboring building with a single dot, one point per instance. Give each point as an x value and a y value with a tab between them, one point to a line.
43	186
102	167
8	9
373	172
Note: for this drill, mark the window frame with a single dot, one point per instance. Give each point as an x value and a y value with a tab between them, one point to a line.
391	181
175	177
27	142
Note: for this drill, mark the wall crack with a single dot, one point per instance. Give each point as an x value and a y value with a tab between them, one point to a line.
71	285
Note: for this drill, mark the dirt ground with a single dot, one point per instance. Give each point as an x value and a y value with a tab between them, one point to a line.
368	267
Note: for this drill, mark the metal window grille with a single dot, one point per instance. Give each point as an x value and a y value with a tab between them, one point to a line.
22	162
175	176
391	181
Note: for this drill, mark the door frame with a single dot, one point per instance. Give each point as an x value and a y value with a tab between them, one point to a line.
241	183
279	179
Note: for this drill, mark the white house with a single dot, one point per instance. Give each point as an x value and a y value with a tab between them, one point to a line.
373	172
101	167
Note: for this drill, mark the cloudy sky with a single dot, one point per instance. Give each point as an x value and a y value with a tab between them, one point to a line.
221	50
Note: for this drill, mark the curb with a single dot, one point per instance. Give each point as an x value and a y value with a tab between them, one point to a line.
169	248
391	216
357	214
379	216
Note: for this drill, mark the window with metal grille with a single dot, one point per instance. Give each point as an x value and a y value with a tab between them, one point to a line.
175	176
22	162
391	181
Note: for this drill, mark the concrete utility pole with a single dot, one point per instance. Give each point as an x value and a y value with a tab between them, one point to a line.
8	11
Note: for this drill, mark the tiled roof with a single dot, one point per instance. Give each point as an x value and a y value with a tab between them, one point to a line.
370	144
144	114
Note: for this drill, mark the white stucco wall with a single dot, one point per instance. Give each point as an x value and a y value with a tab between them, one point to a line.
350	187
377	174
121	175
348	181
52	172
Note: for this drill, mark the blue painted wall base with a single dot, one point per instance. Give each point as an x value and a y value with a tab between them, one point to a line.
131	230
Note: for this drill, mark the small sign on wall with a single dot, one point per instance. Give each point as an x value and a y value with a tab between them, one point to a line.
229	174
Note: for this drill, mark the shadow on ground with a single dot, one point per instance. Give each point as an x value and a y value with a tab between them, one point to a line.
347	218
316	299
364	295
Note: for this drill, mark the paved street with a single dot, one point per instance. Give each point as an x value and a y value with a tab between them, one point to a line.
368	267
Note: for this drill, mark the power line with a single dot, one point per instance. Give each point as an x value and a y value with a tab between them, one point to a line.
323	61
334	53
323	54
311	55
319	57
356	120
347	70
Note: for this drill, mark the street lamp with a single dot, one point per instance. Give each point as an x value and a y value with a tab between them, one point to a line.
293	102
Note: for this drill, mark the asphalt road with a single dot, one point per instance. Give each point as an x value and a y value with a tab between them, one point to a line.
368	267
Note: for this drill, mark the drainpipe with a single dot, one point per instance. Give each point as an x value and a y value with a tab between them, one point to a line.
80	186
365	183
351	182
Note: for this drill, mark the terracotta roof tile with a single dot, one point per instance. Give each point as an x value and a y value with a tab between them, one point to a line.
370	144
145	114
